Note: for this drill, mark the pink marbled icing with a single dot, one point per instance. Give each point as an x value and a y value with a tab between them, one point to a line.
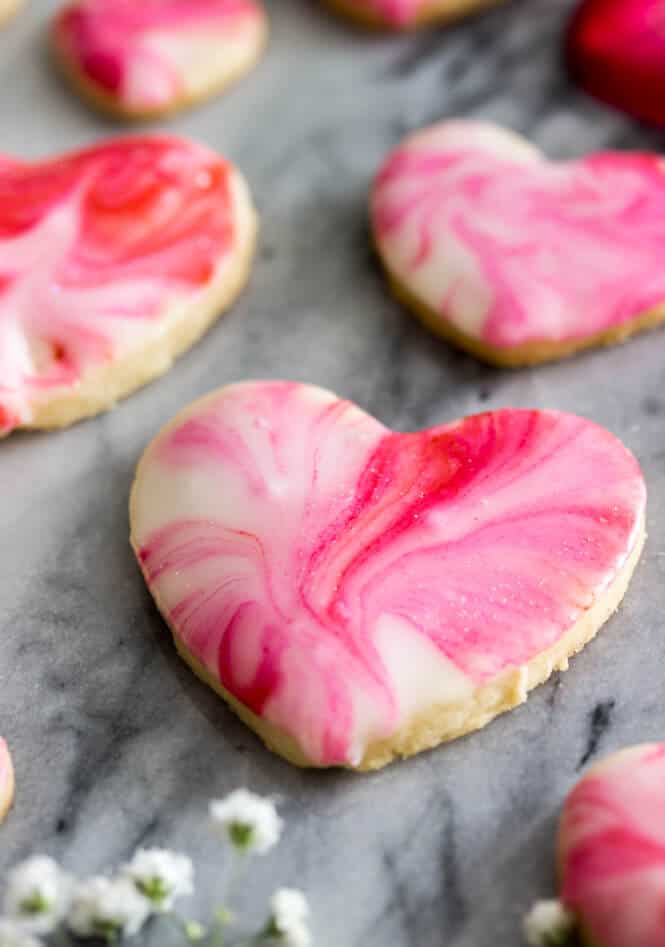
307	555
612	845
138	52
94	249
514	249
6	779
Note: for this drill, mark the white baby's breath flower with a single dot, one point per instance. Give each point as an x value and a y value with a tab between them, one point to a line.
548	924
13	935
250	822
38	894
107	908
289	917
161	876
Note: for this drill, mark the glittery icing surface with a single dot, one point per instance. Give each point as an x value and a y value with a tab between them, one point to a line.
513	249
613	849
94	249
303	552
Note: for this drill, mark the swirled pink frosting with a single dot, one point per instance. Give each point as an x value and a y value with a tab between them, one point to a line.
612	845
95	249
6	779
338	578
513	249
153	53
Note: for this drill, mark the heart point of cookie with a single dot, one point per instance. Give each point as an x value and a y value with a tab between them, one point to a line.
357	594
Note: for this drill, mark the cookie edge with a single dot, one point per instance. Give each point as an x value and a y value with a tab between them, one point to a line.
7	798
438	14
527	353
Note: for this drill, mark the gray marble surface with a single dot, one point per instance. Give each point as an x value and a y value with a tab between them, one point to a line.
115	743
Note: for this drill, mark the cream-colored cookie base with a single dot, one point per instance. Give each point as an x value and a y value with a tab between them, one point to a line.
447	722
7	795
8	8
435	11
530	353
111	106
102	387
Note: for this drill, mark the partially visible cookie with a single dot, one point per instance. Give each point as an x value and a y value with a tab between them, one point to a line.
358	594
150	58
113	260
6	780
616	51
406	14
515	258
612	850
8	8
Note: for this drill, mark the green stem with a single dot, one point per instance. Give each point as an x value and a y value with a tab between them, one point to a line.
218	931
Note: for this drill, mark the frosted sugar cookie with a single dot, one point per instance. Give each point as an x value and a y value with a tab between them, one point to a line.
113	260
155	57
515	258
357	594
6	780
406	14
612	850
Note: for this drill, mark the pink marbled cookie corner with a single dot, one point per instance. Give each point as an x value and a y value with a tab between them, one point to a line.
340	581
515	257
157	55
112	260
6	780
612	850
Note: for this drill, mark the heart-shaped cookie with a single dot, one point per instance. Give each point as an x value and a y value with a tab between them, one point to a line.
515	258
357	594
6	780
8	8
612	850
616	51
406	14
113	260
148	58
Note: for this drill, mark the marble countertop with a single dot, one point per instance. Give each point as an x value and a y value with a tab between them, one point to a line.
115	742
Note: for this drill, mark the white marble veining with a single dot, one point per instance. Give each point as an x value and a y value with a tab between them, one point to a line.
114	741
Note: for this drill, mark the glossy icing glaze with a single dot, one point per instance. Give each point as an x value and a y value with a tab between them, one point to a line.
612	848
96	250
616	51
6	779
339	579
155	54
514	250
